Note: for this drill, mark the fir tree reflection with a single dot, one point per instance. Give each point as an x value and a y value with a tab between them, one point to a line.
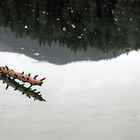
30	93
77	24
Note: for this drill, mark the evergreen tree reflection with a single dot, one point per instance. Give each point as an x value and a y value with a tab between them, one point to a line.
30	93
77	24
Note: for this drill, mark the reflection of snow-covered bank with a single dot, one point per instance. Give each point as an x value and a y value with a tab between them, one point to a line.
84	100
55	54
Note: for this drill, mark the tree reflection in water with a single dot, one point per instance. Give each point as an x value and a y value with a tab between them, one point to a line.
21	88
77	24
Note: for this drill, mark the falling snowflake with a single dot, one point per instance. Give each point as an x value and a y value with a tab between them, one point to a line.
64	28
73	26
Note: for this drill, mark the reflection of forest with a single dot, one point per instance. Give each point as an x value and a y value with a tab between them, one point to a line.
77	24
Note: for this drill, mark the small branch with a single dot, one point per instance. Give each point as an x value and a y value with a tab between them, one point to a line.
21	76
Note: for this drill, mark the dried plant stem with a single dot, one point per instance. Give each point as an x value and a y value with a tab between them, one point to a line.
21	76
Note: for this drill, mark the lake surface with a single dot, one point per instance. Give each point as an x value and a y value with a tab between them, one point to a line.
91	61
84	100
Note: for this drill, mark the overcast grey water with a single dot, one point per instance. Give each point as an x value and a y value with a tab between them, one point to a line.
89	53
84	100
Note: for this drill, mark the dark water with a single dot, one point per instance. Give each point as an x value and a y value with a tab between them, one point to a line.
89	53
